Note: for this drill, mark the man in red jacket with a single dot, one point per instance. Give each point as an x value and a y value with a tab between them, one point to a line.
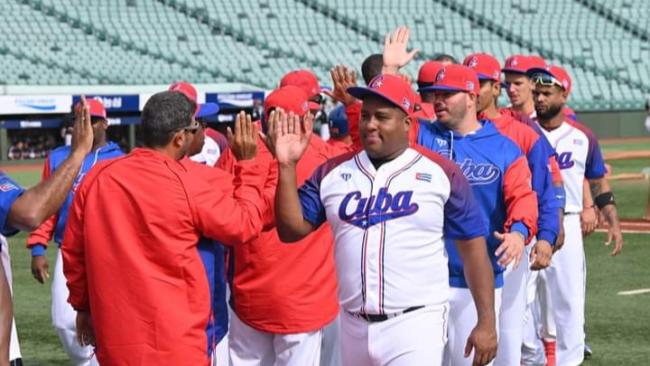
130	249
282	295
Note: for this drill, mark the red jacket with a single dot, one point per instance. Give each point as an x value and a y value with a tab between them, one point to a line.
285	288
130	253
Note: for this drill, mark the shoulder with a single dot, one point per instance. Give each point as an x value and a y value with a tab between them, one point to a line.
331	164
58	154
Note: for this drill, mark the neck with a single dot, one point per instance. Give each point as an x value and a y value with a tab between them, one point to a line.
379	161
553	122
98	144
168	151
526	108
490	112
467	125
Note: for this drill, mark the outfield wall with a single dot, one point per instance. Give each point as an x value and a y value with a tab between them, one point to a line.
615	124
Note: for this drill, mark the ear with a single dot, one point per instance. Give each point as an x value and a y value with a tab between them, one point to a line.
408	120
496	89
178	140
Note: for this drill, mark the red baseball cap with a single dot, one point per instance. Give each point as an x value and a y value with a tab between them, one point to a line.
484	65
203	109
555	75
521	64
391	88
290	98
305	80
428	72
455	78
95	106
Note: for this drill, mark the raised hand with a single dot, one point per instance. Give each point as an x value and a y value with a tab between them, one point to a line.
243	142
395	53
82	132
288	136
511	248
342	78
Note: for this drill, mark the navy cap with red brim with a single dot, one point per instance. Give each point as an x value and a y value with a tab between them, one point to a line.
207	109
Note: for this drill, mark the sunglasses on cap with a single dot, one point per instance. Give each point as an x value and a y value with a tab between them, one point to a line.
546	80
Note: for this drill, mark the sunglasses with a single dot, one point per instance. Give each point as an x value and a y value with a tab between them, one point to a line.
194	128
546	80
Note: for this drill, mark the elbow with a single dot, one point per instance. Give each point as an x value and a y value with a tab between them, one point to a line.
26	221
287	236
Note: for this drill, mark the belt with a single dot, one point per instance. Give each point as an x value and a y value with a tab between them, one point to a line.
374	318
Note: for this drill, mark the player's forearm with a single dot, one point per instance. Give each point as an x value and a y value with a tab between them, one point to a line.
479	277
42	201
288	212
587	198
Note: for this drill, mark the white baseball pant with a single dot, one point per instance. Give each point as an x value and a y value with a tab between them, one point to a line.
14	344
539	322
331	348
414	338
462	320
64	319
512	311
251	347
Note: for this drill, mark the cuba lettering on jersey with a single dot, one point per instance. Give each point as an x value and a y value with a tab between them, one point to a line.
9	192
578	155
388	225
500	179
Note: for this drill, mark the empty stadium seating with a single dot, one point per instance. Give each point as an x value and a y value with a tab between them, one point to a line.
603	43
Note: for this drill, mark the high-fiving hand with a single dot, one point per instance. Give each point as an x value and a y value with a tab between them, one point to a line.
288	136
243	141
395	53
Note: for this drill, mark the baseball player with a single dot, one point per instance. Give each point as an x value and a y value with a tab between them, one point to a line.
282	296
63	316
389	206
538	152
501	183
26	209
579	158
142	249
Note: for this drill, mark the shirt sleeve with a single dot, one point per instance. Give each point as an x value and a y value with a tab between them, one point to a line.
519	198
313	209
9	193
230	218
542	183
463	218
595	166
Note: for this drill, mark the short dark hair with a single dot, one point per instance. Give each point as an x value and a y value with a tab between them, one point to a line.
372	66
442	57
164	114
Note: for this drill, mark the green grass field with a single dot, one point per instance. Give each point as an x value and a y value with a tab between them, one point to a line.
618	327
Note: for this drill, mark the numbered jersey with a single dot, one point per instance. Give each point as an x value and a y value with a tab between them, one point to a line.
578	156
388	225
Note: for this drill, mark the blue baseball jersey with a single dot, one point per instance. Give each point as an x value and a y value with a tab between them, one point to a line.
9	192
500	179
39	237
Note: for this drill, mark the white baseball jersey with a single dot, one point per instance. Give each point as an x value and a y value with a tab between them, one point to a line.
578	156
388	225
209	153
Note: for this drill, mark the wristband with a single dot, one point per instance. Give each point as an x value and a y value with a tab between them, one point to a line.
604	199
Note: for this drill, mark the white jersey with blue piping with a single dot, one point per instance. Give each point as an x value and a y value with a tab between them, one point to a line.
9	192
578	155
388	225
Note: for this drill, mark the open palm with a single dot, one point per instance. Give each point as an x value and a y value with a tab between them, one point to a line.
288	136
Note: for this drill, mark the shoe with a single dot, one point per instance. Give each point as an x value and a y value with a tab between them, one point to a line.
588	351
549	350
16	362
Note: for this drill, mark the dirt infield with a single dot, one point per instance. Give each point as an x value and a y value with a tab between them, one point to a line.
630	226
29	167
622	140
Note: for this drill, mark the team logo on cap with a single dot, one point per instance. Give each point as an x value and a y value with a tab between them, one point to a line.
473	62
470	85
406	103
305	106
513	61
441	75
377	83
495	74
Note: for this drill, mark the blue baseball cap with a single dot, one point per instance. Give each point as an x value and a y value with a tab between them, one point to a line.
338	122
207	110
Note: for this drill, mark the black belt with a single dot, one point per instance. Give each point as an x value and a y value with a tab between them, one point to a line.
374	318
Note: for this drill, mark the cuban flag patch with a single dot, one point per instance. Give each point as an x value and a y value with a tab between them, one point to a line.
426	177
